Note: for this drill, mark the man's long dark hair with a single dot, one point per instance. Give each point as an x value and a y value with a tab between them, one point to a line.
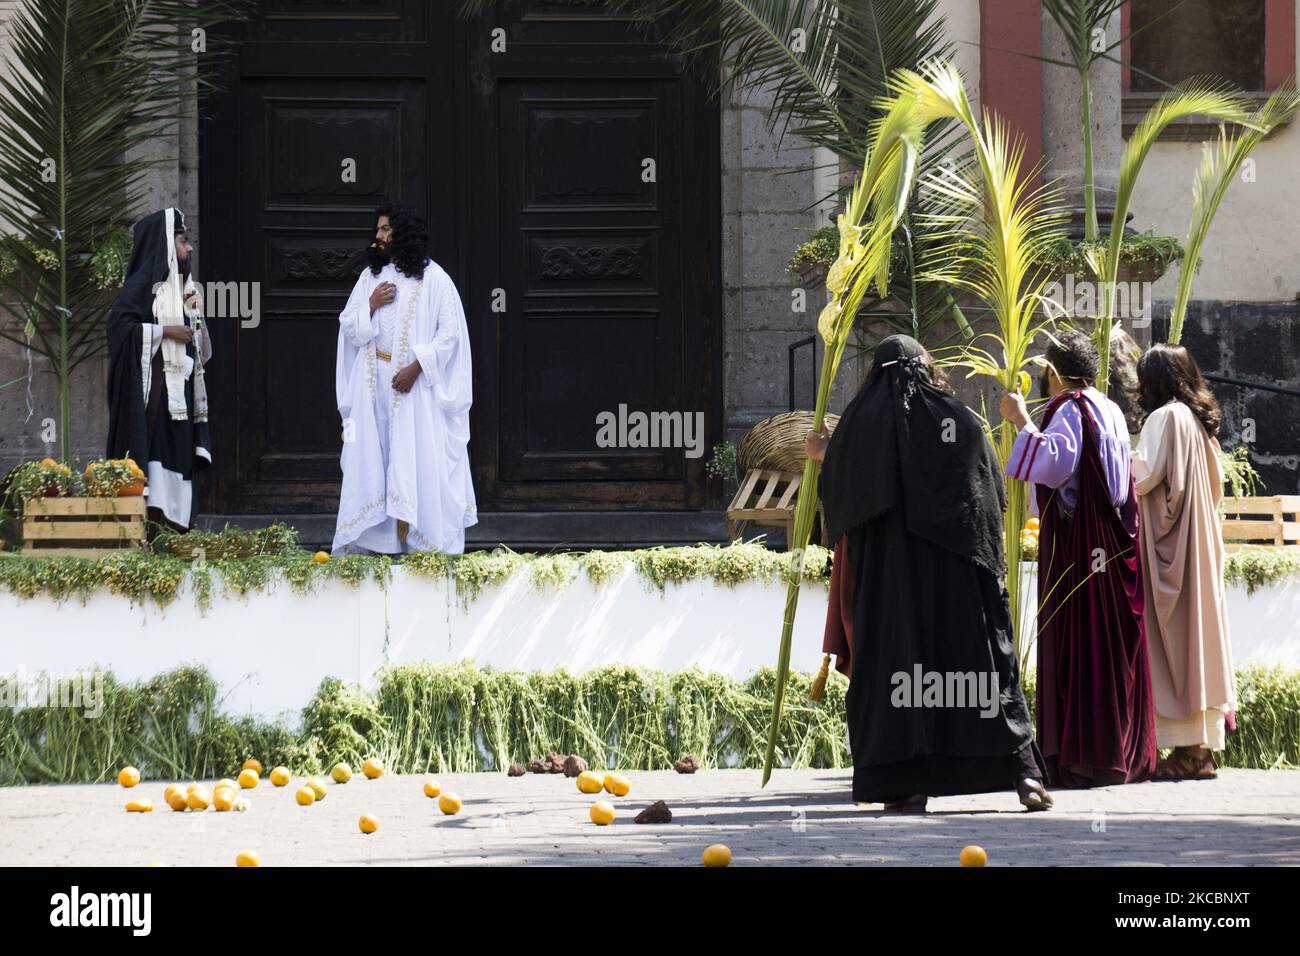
1168	372
407	250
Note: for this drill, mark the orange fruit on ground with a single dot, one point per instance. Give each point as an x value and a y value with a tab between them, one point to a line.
172	790
128	776
432	788
224	782
716	855
369	823
589	782
139	806
449	803
372	768
617	784
973	856
178	800
317	786
248	778
198	799
320	557
280	776
305	796
223	798
253	764
602	813
341	773
248	858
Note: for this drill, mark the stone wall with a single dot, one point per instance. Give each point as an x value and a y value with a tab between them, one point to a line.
1256	342
770	205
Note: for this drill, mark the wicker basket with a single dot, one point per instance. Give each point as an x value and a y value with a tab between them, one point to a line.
776	443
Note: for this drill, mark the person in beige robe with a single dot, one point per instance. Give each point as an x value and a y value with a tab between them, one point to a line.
1180	485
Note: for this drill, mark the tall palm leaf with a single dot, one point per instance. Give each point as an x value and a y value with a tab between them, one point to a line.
876	207
1193	98
87	80
999	226
1220	165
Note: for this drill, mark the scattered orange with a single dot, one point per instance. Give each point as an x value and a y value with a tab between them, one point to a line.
223	798
253	764
320	557
139	806
128	776
449	803
602	813
369	823
198	798
373	768
248	778
432	788
716	855
973	856
248	858
178	799
341	773
224	782
280	776
588	782
305	796
317	786
617	784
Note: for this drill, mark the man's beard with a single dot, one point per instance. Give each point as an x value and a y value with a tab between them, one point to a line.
184	266
1043	388
378	256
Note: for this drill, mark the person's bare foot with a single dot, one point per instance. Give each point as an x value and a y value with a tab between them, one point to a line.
1033	795
912	804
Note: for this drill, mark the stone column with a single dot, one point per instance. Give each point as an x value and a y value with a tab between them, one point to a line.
1063	145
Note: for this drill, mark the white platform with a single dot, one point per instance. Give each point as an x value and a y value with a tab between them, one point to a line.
269	650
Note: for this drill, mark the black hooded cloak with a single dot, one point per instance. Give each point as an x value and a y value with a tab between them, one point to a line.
912	483
139	426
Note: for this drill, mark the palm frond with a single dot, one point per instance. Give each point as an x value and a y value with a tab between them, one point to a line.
1196	97
1220	164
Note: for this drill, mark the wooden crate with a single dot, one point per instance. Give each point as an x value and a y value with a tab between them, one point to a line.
82	527
767	499
1273	521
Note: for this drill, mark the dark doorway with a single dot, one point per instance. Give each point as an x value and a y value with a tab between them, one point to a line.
529	164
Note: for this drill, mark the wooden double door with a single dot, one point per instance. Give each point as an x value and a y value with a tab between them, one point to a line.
569	173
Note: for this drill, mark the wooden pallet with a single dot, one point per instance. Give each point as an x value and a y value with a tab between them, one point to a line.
82	527
1273	521
767	499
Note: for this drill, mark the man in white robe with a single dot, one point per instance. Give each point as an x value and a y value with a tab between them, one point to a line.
403	384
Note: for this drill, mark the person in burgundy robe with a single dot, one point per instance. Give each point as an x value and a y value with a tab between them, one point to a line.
1095	710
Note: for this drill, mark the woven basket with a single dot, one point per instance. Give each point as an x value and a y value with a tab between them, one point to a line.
776	443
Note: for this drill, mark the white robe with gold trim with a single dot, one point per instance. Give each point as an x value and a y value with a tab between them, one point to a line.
405	456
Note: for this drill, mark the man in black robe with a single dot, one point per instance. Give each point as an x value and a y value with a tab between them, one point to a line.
157	347
913	492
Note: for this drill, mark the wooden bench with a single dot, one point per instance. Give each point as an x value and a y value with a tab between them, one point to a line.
82	527
1272	521
767	499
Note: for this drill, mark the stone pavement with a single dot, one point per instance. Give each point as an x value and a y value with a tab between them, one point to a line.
1249	817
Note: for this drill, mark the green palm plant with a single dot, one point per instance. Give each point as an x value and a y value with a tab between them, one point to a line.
1193	98
1221	163
876	208
87	81
999	224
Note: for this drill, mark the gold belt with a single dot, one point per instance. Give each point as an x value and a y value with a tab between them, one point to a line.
383	356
